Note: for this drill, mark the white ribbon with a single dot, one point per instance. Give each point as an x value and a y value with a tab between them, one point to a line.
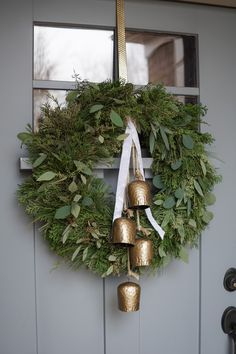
132	137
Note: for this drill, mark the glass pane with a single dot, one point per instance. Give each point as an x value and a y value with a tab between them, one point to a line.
187	99
161	58
59	53
46	96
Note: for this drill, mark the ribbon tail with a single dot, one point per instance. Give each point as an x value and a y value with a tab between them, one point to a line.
154	224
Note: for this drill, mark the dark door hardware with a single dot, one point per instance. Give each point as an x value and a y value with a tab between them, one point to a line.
228	323
230	279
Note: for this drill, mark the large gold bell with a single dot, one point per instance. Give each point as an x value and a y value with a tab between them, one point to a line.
139	195
142	253
128	296
124	232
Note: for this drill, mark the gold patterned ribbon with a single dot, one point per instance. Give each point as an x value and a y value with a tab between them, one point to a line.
121	45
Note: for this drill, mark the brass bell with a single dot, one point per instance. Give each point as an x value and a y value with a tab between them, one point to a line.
128	296
123	232
139	194
142	253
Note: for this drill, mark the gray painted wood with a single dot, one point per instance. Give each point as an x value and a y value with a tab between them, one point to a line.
17	295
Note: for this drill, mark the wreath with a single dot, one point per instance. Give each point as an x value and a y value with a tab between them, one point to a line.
75	207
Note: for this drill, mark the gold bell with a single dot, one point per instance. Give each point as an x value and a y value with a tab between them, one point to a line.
123	232
142	253
128	296
139	194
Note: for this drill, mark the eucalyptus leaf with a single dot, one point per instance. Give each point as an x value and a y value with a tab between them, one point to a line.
76	253
82	167
210	198
83	178
167	219
169	202
157	182
161	251
122	137
175	165
183	254
77	197
151	142
75	209
192	223
66	233
87	201
85	254
42	157
188	141
203	166
164	138
207	216
158	202
198	188
24	137
112	258
181	232
108	272
101	139
73	187
118	101
116	119
179	193
62	212
95	108
189	206
46	176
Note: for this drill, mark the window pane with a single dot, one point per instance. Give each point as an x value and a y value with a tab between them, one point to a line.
42	97
161	58
187	99
59	53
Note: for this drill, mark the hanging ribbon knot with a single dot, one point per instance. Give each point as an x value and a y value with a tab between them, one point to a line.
132	138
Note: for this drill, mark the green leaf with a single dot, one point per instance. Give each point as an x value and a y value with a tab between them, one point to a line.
179	201
66	233
77	197
87	201
203	166
118	101
112	258
169	202
95	108
164	138
108	272
175	165
24	137
188	142
75	210
39	160
198	188
207	216
192	223
85	254
73	187
183	254
46	176
189	206
181	232
71	96
161	251
151	142
63	212
116	119
179	193
83	168
210	198
76	253
157	182
158	202
122	137
101	139
167	219
83	178
98	244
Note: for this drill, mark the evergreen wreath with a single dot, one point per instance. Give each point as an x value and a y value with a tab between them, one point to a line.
75	207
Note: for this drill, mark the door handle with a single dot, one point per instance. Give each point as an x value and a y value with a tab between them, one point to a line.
228	323
230	280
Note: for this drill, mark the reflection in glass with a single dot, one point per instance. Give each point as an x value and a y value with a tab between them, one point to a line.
59	53
41	97
161	58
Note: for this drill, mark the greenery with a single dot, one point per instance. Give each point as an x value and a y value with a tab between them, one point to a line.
75	208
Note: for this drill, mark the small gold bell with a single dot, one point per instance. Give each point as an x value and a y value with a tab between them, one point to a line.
124	232
142	253
128	296
139	195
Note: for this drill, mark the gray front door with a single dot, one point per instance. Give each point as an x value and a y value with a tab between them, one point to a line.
58	312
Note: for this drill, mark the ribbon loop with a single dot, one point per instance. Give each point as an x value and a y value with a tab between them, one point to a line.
132	138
